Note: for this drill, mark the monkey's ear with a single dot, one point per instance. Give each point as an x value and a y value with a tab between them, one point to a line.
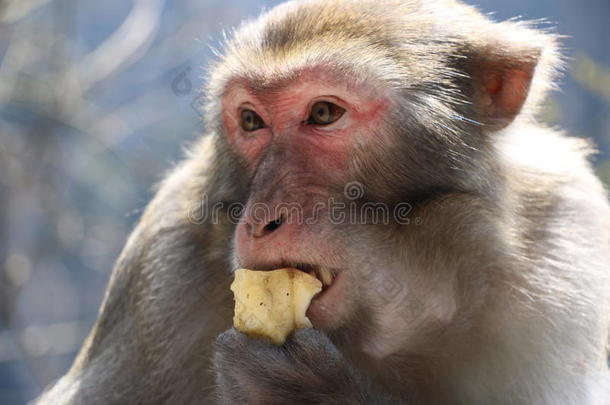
503	69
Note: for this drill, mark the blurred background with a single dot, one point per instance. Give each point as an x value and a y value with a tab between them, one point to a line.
98	100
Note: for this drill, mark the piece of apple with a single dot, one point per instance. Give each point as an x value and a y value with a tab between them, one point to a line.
272	304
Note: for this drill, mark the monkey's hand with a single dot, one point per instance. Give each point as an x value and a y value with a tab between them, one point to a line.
307	369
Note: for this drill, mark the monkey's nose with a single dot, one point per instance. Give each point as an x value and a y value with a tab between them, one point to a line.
261	229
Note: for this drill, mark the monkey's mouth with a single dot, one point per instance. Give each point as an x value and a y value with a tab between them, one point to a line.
326	307
326	275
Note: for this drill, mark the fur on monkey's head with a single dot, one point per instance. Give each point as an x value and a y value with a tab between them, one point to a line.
412	47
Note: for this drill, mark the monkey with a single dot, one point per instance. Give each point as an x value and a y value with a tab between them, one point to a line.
490	287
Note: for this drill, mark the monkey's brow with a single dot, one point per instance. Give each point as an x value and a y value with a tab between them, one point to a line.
263	84
269	87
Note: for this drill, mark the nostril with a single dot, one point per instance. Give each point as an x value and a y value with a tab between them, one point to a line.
273	225
257	229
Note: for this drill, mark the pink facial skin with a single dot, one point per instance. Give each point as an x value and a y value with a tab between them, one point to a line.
286	110
310	158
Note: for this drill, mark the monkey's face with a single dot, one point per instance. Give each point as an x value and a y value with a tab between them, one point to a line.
333	108
300	140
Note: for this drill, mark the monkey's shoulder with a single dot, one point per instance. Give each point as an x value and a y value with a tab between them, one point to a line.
555	188
536	158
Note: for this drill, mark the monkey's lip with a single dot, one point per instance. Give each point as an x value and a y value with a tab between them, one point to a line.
325	309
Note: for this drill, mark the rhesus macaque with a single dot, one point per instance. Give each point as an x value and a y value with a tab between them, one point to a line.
494	289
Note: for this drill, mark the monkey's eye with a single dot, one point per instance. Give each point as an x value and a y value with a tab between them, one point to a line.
251	121
324	113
